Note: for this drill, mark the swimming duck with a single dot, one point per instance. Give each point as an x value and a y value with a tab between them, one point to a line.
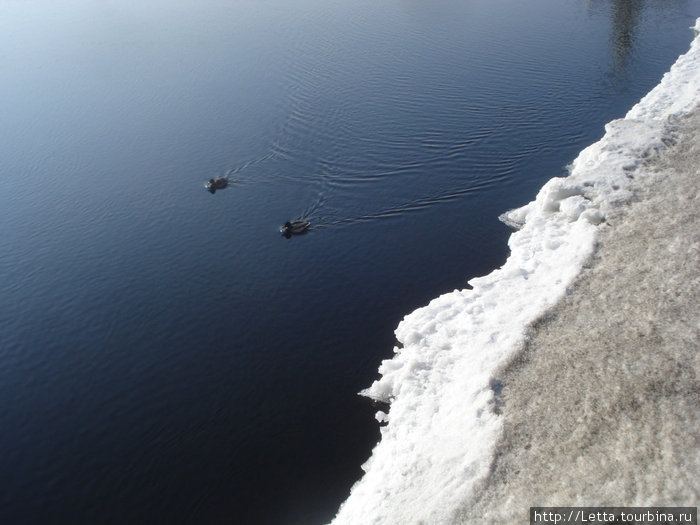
294	228
217	184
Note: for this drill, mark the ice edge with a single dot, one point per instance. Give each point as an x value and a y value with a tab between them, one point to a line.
442	426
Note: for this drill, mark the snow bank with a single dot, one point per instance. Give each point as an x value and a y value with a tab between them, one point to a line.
441	429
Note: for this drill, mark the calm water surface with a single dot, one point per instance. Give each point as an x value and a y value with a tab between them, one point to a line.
165	355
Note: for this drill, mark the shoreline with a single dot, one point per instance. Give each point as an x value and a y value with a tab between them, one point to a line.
600	408
443	454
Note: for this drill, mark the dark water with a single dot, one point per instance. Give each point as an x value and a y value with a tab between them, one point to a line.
165	355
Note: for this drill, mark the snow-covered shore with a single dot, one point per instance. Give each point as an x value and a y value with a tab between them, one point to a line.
445	423
601	408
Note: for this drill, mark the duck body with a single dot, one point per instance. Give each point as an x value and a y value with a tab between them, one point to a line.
217	184
294	228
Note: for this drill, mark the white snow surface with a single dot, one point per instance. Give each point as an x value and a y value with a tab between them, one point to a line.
440	433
